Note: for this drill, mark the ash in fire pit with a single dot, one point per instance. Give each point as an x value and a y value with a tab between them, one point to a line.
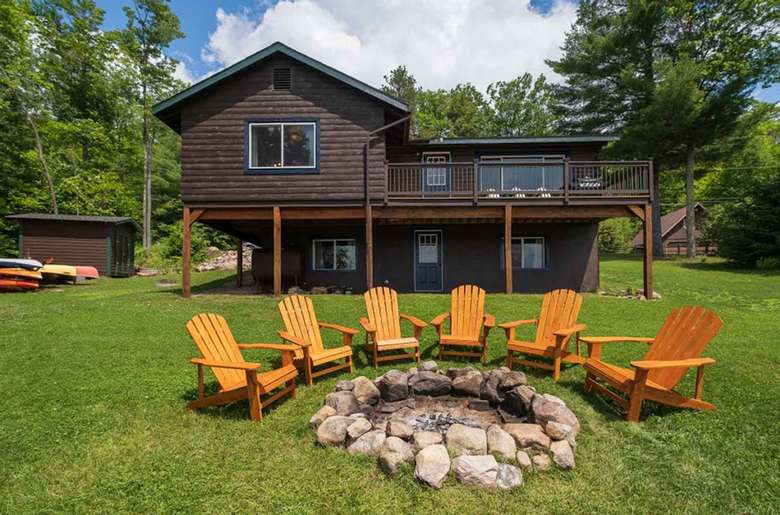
423	415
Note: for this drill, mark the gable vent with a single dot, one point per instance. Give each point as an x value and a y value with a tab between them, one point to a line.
282	78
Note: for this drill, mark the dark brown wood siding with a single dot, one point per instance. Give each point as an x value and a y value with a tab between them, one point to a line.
68	243
213	133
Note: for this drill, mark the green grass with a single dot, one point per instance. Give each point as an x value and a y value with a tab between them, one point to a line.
95	377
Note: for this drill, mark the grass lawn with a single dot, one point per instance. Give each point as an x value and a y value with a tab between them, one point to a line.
95	378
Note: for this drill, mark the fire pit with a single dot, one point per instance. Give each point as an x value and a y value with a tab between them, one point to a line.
493	422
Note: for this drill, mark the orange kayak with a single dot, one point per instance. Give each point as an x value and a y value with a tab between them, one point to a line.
13	284
20	273
87	272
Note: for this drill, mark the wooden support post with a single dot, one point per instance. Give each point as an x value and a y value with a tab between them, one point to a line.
239	263
508	248
185	255
369	247
277	251
648	261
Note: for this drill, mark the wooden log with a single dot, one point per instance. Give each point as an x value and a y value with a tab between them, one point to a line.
277	251
648	258
239	263
185	255
369	248
508	248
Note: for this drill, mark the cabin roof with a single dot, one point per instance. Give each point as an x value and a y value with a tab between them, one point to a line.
594	138
168	109
669	222
116	220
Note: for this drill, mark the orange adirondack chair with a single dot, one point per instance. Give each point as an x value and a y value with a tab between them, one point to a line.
238	379
556	324
303	330
469	324
383	327
676	348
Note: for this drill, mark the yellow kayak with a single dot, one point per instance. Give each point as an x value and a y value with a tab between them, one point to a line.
58	273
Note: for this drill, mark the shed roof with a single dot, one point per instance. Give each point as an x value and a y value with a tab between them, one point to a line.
168	109
116	220
669	222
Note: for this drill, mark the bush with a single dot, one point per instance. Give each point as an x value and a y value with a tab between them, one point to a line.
166	253
768	263
616	235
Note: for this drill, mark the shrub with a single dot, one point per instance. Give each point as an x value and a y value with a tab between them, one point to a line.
768	263
616	235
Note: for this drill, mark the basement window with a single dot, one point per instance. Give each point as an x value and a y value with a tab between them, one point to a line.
334	255
528	253
278	147
282	79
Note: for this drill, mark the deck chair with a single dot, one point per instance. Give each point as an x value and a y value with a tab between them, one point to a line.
469	324
383	327
238	379
556	324
303	330
676	348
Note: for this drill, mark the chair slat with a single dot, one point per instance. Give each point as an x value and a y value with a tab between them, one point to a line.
300	320
215	341
382	308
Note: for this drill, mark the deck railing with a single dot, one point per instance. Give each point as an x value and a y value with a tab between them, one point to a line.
491	180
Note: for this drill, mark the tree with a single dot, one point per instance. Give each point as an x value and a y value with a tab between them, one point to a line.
151	27
399	83
635	65
521	106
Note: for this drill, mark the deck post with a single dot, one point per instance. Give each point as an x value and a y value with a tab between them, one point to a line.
566	178
185	255
277	251
648	258
369	247
239	263
508	248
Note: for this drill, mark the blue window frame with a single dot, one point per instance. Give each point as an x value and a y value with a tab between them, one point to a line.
281	146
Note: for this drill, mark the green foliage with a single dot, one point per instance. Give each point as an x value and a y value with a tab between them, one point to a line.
521	107
616	235
768	263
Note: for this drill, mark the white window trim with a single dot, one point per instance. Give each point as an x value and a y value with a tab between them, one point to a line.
521	239
331	240
281	146
428	176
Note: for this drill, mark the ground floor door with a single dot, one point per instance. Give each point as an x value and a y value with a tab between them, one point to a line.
428	261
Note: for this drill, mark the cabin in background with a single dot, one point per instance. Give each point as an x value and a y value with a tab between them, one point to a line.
674	233
105	242
294	156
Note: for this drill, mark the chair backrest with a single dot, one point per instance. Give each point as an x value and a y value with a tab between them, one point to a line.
684	335
300	320
560	309
467	311
382	309
215	342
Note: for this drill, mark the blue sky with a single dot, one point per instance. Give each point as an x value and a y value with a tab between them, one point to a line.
345	34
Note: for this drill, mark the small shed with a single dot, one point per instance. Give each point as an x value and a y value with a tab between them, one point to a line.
105	242
674	233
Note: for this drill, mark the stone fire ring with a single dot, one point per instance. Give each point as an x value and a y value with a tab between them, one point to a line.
492	423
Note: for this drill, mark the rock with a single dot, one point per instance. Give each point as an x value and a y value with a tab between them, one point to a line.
541	462
344	386
466	440
509	477
479	471
345	403
370	443
319	290
526	435
319	417
392	407
390	461
548	408
517	401
562	454
404	449
412	371
400	429
490	391
428	366
512	380
468	384
432	464
365	390
558	431
430	383
393	386
479	405
524	460
358	428
500	442
423	439
333	430
452	373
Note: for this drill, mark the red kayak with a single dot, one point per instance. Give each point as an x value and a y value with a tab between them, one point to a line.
87	272
14	284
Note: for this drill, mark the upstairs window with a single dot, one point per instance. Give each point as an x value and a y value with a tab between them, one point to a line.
280	146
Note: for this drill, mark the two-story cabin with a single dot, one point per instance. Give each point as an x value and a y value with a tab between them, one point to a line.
292	155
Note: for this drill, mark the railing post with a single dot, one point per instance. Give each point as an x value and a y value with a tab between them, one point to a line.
650	179
475	183
566	172
387	179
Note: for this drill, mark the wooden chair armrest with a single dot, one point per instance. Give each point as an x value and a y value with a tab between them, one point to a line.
270	346
614	339
439	320
516	323
284	335
339	328
367	326
415	321
490	320
675	363
570	330
224	364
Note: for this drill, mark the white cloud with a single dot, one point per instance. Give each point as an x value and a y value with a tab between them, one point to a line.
183	73
441	43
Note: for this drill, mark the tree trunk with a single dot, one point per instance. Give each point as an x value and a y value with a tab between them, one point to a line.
658	248
690	203
147	195
44	165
